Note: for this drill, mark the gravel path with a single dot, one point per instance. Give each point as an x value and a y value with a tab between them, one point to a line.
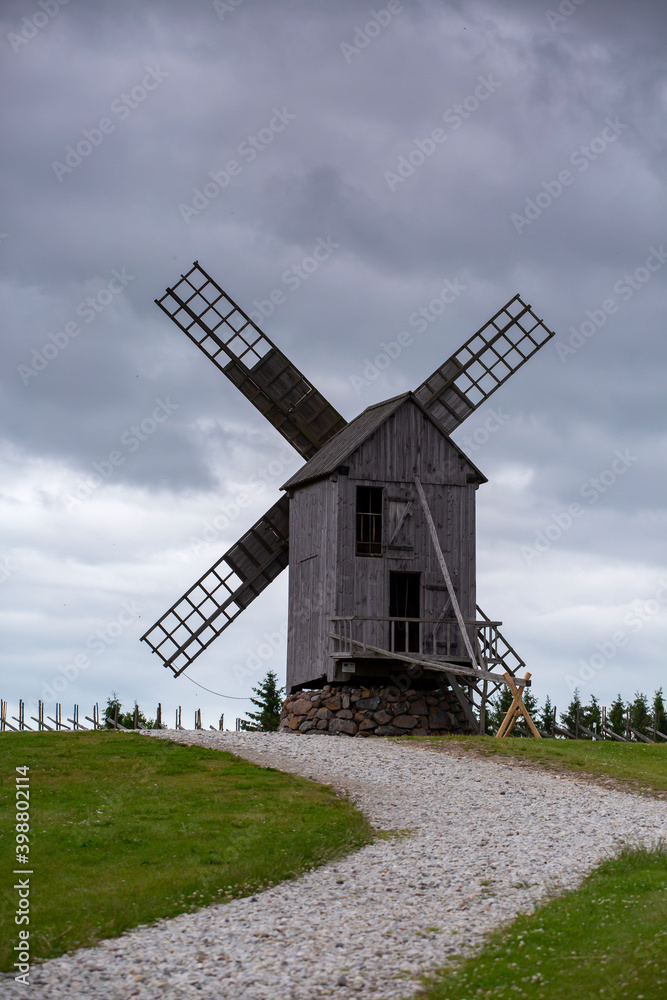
367	926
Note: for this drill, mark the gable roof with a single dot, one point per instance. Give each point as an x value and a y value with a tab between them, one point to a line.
334	453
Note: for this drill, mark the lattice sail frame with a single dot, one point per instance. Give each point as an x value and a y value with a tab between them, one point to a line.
223	592
227	335
483	363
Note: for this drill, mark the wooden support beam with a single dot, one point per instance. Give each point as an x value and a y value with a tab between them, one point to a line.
117	725
58	724
463	701
22	723
610	732
77	725
516	709
445	572
639	736
96	722
41	723
425	664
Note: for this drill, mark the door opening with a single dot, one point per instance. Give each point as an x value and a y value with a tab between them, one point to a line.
404	602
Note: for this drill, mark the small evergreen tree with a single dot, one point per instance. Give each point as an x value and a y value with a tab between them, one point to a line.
640	716
569	718
531	703
659	717
269	701
616	716
592	713
546	716
114	711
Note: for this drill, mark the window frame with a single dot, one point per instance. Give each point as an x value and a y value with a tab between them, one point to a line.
369	524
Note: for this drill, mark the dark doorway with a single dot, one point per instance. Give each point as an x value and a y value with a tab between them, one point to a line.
404	602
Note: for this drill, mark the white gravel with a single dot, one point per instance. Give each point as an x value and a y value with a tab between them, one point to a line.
488	839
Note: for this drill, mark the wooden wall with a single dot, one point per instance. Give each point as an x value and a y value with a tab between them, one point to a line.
312	580
327	578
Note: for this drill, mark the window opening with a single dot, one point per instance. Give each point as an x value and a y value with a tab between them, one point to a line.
369	521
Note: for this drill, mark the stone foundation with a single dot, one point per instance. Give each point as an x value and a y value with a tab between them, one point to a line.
373	711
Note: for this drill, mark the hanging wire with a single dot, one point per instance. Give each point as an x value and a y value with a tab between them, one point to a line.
232	697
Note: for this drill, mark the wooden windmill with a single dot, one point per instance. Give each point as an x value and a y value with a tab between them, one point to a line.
378	526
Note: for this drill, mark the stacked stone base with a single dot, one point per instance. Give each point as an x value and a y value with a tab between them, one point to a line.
373	711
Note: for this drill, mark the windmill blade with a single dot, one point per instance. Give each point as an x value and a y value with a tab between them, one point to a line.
222	593
483	363
227	335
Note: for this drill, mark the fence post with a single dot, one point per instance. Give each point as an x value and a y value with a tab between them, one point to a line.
221	723
158	716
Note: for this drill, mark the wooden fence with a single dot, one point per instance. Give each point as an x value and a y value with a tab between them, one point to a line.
56	722
603	732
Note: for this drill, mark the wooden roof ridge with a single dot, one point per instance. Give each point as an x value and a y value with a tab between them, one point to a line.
340	447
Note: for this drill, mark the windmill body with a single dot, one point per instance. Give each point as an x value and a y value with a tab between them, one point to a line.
378	527
362	565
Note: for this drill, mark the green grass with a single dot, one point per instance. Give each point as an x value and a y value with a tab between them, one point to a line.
640	766
607	940
125	830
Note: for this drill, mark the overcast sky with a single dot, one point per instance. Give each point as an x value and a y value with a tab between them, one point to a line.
485	148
